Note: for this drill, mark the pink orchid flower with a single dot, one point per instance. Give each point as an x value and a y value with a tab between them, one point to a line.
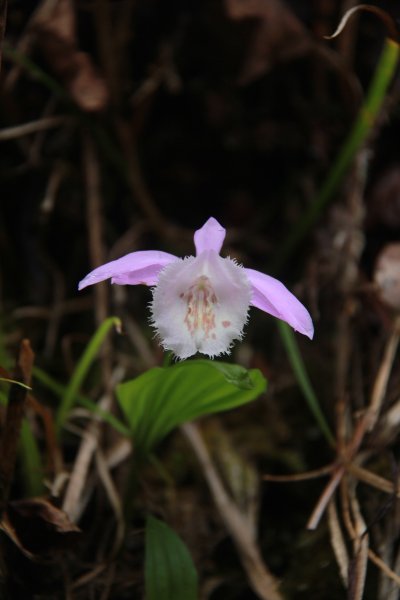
201	303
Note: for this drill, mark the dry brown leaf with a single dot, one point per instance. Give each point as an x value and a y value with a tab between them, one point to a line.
57	37
278	36
37	527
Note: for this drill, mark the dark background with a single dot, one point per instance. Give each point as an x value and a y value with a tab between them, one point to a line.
168	113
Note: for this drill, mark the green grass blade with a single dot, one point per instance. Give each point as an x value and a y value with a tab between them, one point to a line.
296	361
81	370
59	390
362	127
31	462
30	459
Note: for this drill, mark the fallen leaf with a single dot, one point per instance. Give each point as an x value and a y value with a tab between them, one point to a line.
278	35
38	528
56	36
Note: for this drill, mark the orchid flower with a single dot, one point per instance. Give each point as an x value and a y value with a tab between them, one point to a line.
201	303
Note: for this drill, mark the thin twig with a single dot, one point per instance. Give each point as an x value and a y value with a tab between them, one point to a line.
12	133
361	546
314	474
337	542
77	483
383	567
113	497
325	498
372	479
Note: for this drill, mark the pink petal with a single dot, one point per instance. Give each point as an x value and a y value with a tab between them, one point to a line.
210	237
271	296
141	267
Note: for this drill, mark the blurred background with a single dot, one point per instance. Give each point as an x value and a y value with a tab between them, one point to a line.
124	125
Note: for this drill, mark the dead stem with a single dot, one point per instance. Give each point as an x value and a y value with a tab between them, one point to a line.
301	476
325	498
261	580
358	572
382	377
365	424
383	567
72	504
372	479
337	542
115	501
90	441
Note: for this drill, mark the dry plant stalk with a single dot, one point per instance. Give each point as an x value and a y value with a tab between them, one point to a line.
90	443
261	580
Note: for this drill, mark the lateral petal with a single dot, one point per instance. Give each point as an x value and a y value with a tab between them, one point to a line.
142	267
271	296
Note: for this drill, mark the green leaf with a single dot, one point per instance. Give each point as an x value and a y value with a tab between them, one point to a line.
31	462
235	374
169	570
164	397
